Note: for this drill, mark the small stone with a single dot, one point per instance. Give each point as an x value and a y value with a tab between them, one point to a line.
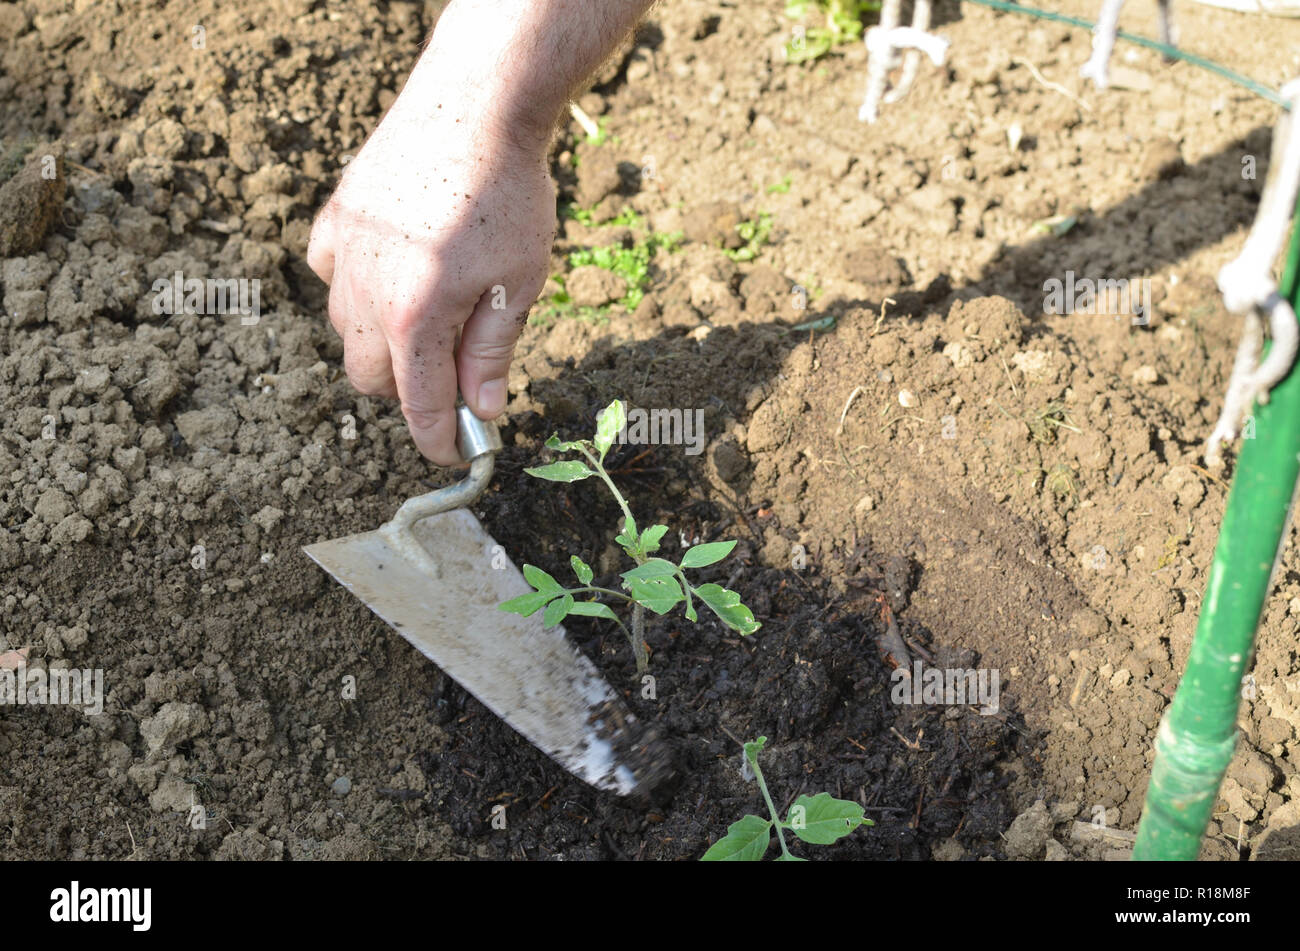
341	786
1146	375
959	354
907	399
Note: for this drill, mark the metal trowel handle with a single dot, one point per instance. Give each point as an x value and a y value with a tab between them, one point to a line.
478	442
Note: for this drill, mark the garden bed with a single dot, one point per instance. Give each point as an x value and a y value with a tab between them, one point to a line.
1035	502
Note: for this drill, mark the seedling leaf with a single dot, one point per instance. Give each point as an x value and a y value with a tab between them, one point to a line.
824	818
527	604
609	424
557	610
726	605
559	445
593	609
581	569
707	554
745	841
627	537
540	580
568	470
650	538
657	594
654	568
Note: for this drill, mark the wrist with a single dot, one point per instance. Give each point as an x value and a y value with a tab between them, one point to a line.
472	75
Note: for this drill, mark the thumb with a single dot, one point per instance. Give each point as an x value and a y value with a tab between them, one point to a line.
487	345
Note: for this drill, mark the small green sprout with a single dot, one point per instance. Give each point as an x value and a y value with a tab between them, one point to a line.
754	232
843	24
780	188
631	264
654	583
627	218
817	820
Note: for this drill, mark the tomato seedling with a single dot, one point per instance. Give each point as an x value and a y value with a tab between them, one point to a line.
817	820
656	584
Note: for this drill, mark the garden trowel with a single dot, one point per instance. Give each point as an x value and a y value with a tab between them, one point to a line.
436	576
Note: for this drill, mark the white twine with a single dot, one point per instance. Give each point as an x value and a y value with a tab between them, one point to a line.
1248	288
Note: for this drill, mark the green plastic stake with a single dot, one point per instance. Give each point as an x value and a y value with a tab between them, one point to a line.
1197	735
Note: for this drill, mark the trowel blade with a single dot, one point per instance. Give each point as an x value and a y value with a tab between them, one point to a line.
528	675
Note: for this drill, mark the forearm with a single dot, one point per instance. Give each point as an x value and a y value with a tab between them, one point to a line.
516	63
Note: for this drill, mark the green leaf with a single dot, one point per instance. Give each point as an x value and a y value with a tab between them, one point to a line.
557	610
568	470
540	580
654	568
726	605
745	841
627	538
823	818
754	747
559	445
581	569
593	609
706	554
657	594
650	538
609	424
526	604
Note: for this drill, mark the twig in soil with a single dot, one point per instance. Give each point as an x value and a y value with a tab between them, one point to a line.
588	124
1007	369
901	416
919	649
1055	87
910	744
890	642
845	412
881	319
1206	472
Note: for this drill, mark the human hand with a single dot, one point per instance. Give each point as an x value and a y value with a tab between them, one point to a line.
442	224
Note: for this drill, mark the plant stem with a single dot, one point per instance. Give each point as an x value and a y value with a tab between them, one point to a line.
618	496
592	587
767	797
637	637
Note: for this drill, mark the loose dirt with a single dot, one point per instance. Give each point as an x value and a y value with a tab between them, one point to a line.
894	429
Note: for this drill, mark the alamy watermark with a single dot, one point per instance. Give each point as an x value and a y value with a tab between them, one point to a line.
179	294
58	686
946	686
665	427
1105	296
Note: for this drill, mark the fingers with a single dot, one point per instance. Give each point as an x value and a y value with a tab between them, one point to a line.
424	369
320	246
487	345
365	349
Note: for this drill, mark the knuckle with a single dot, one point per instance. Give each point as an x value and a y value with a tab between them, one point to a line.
403	321
424	417
490	351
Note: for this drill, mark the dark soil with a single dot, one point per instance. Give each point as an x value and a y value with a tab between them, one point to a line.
1034	502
